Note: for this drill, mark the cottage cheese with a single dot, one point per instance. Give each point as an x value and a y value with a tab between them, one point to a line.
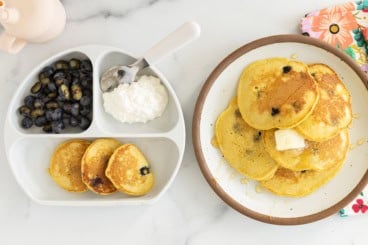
139	101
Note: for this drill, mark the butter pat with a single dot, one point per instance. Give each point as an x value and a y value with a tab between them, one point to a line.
287	139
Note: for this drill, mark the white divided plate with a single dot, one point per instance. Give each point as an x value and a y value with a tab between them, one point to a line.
161	140
245	195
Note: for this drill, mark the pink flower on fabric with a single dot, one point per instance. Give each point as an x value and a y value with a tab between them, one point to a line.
360	206
336	28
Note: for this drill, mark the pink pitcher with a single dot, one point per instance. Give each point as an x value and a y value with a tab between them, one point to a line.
34	21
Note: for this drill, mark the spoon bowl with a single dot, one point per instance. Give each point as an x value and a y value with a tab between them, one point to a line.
126	74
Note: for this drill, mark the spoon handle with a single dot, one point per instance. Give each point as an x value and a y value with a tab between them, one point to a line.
173	42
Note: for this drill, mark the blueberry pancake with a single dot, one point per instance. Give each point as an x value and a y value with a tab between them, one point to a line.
286	182
242	146
276	93
333	111
316	155
65	165
129	171
94	163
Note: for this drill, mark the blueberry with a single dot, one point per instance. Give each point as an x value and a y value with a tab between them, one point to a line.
86	65
75	81
47	128
87	92
28	101
40	121
38	103
275	111
84	123
44	81
85	110
59	75
73	122
48	70
57	114
51	87
27	122
74	109
286	69
85	101
24	110
74	63
36	88
64	92
61	65
67	107
48	115
144	171
86	82
57	126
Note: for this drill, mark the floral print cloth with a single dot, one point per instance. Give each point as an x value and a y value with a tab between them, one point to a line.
344	26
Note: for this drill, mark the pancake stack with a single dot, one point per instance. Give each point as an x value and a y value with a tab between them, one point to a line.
103	166
278	93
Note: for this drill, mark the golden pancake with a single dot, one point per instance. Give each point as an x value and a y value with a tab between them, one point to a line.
333	111
94	164
242	145
286	182
316	155
65	165
129	171
276	93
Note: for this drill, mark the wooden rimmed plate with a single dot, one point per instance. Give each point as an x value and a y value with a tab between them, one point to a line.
245	195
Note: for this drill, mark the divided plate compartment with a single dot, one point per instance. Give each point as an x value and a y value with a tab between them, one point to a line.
161	140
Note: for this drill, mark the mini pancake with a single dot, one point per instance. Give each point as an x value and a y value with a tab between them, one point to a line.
276	93
242	145
129	171
316	155
290	183
94	164
333	111
65	165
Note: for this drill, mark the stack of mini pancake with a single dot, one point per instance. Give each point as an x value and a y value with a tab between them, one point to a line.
279	93
103	166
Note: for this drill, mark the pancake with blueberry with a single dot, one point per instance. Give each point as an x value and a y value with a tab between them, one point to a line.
276	93
241	145
65	165
316	155
333	111
290	183
129	171
94	163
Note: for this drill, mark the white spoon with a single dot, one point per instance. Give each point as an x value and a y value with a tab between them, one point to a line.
173	42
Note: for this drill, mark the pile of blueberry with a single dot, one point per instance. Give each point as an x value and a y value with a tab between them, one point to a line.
62	97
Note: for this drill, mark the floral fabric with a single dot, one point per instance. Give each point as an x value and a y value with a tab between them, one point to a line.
344	26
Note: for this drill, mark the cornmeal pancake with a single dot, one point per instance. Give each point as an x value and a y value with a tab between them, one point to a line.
286	182
94	163
276	93
316	155
242	145
129	170
333	111
65	165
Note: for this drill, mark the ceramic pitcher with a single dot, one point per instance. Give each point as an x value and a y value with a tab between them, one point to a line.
34	21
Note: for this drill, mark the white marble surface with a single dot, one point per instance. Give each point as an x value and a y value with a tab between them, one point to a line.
190	212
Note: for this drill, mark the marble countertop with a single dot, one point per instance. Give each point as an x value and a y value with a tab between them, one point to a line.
190	212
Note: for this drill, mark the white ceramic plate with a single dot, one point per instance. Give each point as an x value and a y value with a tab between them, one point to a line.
29	151
244	195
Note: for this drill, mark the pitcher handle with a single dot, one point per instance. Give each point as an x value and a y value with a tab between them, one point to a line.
11	44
